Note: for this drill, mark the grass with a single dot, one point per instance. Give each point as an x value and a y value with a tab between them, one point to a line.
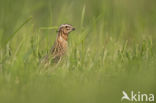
112	49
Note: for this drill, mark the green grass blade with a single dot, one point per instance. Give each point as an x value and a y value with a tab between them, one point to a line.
26	21
82	15
54	27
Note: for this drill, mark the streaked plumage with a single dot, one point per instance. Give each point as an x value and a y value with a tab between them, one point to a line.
60	46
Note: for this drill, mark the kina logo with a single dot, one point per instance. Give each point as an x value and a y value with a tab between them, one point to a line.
137	97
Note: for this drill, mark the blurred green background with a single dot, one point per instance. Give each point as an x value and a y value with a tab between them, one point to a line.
112	49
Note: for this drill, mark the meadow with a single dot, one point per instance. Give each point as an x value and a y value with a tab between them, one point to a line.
113	49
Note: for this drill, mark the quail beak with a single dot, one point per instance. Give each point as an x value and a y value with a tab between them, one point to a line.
73	29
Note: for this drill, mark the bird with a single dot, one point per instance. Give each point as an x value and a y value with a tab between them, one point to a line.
60	46
125	96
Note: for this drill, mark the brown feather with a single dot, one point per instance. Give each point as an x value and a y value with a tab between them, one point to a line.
60	46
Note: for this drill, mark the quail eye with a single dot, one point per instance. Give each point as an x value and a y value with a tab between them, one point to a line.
66	26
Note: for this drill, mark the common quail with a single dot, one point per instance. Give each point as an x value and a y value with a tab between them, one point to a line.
60	46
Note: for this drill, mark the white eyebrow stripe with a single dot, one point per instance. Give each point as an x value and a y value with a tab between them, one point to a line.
65	25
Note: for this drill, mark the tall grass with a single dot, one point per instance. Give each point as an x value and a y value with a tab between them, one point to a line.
112	49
